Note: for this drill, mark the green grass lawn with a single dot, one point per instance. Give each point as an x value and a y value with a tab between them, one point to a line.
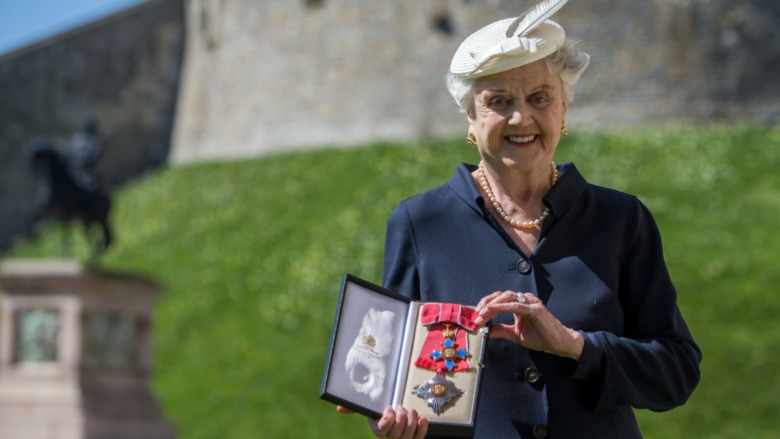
252	253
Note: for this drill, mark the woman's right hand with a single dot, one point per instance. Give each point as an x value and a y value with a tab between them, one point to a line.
397	423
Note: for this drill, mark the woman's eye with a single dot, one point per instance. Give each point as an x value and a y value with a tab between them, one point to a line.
498	102
539	100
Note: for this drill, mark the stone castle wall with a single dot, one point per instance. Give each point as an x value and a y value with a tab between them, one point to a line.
272	76
121	71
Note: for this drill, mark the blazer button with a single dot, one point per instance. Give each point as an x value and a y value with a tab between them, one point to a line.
540	431
523	266
532	375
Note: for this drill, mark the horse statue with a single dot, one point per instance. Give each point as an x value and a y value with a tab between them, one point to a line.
65	198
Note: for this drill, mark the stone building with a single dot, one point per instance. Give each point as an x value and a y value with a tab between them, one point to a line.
272	76
122	71
260	77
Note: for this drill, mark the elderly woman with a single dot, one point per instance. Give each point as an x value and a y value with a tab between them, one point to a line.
585	320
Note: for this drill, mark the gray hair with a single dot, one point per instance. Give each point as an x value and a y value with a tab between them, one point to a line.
568	62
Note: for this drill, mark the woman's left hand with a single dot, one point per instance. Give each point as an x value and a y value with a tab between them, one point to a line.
534	326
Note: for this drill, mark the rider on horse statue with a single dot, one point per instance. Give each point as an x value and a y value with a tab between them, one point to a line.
69	188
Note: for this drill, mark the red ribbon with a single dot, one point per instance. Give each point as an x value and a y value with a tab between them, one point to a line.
449	313
435	316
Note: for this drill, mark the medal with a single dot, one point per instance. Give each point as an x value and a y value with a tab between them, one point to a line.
451	353
437	392
444	351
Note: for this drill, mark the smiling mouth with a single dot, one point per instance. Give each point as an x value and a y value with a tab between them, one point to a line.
521	139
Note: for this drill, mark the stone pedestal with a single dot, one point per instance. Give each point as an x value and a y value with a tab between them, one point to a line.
75	353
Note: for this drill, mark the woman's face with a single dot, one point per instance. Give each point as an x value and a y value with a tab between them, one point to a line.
517	116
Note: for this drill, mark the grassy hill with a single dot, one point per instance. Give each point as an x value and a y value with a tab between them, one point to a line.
252	253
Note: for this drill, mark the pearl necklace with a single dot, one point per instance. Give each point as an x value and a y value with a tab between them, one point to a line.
522	225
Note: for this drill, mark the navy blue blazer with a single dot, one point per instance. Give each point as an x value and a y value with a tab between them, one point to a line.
598	267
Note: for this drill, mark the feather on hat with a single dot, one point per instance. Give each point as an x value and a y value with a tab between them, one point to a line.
510	43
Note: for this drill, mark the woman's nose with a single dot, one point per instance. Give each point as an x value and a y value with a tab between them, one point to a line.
516	116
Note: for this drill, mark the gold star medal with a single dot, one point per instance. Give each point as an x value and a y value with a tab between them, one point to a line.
437	392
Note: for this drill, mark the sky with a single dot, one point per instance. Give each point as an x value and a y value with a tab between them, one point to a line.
24	22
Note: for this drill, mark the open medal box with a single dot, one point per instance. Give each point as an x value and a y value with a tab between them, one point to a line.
388	350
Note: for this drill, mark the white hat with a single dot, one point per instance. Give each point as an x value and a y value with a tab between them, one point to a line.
510	43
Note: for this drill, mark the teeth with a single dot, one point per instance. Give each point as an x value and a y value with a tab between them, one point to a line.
519	139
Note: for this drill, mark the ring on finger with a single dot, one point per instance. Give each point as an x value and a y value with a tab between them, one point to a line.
520	297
